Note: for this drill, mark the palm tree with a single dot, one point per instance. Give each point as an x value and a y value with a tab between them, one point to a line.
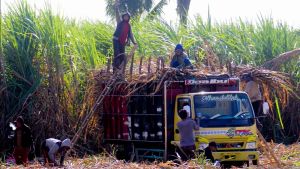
135	7
182	10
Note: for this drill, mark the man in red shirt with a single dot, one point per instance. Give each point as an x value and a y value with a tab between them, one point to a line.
122	35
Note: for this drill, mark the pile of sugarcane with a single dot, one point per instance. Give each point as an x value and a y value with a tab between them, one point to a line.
278	88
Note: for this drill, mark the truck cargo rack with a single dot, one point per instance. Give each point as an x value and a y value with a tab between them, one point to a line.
132	114
145	153
140	141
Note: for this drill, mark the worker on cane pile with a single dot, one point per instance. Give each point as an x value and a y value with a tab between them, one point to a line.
122	35
263	120
22	141
252	89
186	129
180	59
51	147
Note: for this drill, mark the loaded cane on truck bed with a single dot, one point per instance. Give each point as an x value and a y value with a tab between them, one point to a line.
109	85
145	110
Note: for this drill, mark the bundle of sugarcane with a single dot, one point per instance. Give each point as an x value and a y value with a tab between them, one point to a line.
273	83
277	87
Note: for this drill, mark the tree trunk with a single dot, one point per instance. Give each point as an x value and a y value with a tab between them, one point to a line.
183	10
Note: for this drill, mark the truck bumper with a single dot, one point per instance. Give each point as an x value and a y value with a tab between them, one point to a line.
236	155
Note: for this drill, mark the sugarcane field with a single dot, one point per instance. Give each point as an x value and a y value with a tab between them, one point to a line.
149	84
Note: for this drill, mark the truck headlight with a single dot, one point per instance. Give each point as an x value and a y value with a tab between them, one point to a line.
202	146
251	145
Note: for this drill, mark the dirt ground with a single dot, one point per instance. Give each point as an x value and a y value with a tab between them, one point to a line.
288	156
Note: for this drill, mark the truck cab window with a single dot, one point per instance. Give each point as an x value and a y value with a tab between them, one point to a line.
184	103
221	110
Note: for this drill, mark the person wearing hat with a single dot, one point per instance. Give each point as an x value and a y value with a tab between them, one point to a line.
180	59
121	36
22	141
52	146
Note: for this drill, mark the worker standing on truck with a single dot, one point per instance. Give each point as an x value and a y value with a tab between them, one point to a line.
180	59
121	36
52	146
186	129
252	89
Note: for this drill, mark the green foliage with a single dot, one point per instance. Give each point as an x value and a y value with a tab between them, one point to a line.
183	10
137	8
50	53
19	49
48	58
200	159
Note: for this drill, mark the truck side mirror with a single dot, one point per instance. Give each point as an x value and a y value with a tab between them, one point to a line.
176	131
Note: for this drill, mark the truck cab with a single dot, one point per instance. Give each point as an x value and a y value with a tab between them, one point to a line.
224	117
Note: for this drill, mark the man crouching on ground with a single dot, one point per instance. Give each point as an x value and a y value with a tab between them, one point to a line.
52	146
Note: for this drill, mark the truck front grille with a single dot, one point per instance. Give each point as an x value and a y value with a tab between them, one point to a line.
230	145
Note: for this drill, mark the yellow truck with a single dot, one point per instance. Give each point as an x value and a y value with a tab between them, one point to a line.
224	117
143	125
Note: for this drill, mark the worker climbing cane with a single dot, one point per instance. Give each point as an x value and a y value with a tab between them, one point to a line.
122	35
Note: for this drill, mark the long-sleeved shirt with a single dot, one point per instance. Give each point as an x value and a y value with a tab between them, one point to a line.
53	145
180	61
186	130
123	32
252	89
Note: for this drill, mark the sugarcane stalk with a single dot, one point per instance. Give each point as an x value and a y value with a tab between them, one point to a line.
141	65
275	63
131	67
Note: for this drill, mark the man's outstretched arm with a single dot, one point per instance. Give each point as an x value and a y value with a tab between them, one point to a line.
118	17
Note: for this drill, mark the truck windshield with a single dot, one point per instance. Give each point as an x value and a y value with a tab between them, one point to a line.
223	110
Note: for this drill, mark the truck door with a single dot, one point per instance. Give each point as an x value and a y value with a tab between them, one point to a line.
181	103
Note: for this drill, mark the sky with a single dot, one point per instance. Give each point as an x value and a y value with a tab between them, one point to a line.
220	10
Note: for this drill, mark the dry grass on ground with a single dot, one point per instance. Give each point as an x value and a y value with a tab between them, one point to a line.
288	155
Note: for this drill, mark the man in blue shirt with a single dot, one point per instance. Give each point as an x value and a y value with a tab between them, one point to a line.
186	129
180	59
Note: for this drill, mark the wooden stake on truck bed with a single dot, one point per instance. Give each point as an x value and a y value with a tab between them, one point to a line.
99	100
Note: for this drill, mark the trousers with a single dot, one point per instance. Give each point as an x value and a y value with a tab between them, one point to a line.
119	54
21	155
